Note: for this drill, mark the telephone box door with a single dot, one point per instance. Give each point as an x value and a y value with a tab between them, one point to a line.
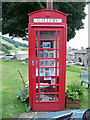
47	69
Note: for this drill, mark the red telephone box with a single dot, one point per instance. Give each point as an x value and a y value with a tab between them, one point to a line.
47	60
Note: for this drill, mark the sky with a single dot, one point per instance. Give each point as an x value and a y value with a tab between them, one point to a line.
80	39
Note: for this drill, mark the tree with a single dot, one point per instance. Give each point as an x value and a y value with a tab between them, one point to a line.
15	16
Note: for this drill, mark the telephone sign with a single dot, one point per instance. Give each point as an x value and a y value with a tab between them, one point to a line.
47	20
47	31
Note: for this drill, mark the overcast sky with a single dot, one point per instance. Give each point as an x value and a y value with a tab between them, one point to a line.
81	37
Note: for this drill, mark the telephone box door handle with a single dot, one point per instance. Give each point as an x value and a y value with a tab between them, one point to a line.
33	63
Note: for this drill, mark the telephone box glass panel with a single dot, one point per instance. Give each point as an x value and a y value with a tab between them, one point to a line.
47	34
47	65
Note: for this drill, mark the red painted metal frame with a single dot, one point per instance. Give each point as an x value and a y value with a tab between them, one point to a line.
32	27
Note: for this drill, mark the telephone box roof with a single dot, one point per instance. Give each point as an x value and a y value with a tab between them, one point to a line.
48	11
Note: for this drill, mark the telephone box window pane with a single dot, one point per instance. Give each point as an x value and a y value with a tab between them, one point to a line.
47	53
47	63
36	44
36	53
47	44
36	71
37	63
36	80
37	88
58	53
56	97
36	97
47	71
36	34
48	80
48	89
57	71
58	34
58	44
41	71
47	97
37	67
58	63
47	34
53	80
45	82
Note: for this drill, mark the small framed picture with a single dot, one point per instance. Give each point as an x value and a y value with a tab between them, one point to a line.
51	55
41	63
46	44
52	63
52	71
47	72
41	55
45	55
46	62
41	71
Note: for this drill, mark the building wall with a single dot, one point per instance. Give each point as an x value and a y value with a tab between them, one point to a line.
21	56
79	56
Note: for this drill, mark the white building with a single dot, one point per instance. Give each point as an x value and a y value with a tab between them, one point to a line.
1	54
71	54
21	55
81	56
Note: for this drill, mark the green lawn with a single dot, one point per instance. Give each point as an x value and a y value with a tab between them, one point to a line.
73	76
12	83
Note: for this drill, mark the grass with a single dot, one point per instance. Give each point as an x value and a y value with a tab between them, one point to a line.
12	83
74	68
73	76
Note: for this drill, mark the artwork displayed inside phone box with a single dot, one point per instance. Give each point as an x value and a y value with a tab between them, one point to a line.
47	30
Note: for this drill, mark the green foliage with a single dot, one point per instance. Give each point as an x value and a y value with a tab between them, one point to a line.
24	95
27	108
15	16
74	91
75	11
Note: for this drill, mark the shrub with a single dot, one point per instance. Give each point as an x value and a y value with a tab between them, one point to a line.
74	91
